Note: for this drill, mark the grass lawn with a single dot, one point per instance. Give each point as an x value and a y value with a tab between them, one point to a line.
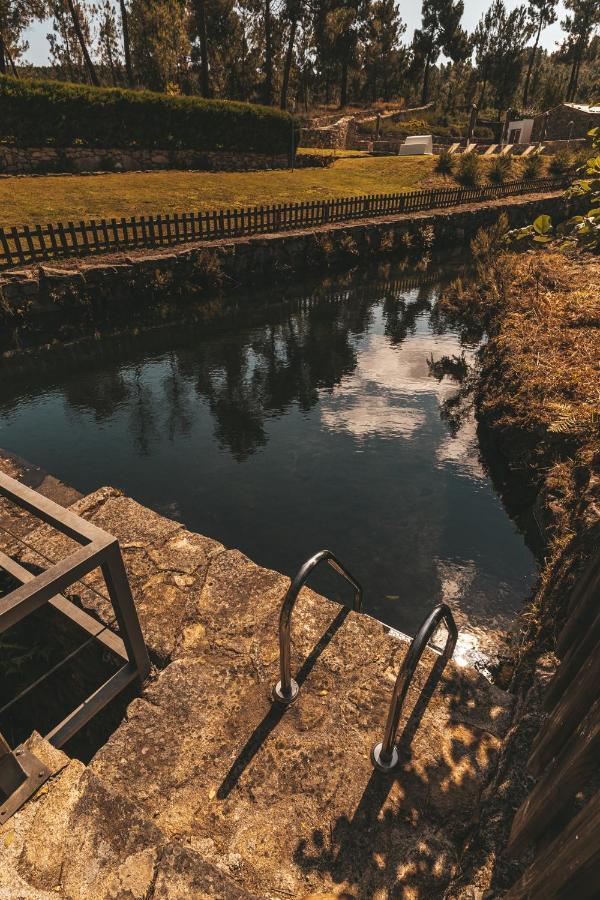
39	200
56	198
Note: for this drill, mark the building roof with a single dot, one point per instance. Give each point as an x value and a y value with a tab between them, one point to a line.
585	108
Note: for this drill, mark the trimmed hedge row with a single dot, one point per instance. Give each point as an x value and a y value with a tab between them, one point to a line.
42	113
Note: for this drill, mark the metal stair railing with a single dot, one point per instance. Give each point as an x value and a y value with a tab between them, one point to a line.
286	690
384	754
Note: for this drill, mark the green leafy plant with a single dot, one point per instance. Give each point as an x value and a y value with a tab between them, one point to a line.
581	230
51	113
469	169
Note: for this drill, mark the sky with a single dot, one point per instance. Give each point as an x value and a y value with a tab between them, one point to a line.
409	9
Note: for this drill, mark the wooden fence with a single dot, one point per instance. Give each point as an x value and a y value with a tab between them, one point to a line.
39	243
561	816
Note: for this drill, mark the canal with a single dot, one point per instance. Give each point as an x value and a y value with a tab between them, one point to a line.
282	425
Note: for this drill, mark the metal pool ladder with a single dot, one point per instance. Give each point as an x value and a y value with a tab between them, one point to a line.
384	754
286	690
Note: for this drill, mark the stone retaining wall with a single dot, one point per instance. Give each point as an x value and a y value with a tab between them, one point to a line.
196	271
68	160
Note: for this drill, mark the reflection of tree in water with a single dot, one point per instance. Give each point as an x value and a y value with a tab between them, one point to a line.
249	374
401	315
248	378
100	394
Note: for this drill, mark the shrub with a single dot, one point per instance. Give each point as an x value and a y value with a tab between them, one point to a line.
533	166
469	169
483	133
561	163
500	169
38	113
445	162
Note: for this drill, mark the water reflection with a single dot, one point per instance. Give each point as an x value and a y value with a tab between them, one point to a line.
289	427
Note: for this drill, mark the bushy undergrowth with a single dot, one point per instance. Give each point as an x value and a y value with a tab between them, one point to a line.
533	166
469	169
42	113
500	169
445	163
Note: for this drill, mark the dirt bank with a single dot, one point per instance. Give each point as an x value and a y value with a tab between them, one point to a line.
538	400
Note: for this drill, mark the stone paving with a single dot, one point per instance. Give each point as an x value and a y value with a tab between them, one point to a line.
206	789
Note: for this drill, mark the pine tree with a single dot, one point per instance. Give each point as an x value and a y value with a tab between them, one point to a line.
580	23
440	31
541	13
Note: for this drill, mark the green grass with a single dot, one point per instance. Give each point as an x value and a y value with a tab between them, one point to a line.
74	197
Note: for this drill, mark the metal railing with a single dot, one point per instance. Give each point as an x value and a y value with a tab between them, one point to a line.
28	244
384	755
286	689
97	549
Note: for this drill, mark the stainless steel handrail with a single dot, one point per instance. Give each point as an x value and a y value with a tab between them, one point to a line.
384	755
286	690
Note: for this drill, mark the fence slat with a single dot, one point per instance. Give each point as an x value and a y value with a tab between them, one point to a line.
569	862
555	790
566	716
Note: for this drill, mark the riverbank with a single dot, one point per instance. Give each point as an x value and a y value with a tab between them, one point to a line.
207	268
537	398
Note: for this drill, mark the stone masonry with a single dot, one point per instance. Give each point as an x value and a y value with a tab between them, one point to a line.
207	790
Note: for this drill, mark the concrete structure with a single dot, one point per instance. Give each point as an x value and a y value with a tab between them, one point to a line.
519	131
205	790
417	145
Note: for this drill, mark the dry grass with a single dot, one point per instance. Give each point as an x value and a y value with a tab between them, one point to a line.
548	347
73	197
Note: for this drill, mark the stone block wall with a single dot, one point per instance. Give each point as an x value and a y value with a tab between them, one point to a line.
72	160
559	128
199	270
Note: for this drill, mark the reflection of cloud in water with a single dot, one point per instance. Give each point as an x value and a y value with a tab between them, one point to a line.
377	397
462	450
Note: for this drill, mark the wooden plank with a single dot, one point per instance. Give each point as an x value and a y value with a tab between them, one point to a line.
30	245
84	237
557	787
64	244
6	251
105	236
572	662
583	611
115	230
94	227
573	857
134	229
39	233
125	230
14	235
567	715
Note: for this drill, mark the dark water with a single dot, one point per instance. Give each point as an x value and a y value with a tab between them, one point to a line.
317	424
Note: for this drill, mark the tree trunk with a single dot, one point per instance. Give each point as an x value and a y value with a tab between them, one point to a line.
268	88
2	56
287	68
77	26
12	62
204	74
344	81
531	63
425	91
126	44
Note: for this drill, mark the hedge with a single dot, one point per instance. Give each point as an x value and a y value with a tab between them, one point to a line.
52	113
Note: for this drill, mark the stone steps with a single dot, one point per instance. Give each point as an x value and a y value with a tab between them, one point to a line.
207	790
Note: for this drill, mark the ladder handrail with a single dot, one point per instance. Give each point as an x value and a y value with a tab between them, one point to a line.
384	755
286	690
